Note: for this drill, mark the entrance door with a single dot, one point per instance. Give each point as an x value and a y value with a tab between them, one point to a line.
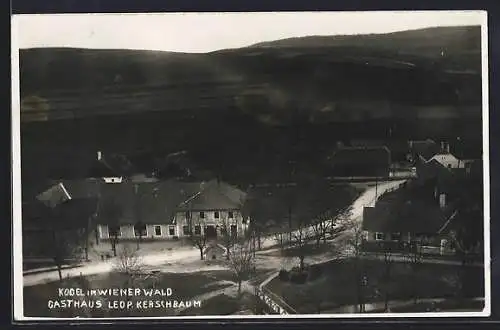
210	232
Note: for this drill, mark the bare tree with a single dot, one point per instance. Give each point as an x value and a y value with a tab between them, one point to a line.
413	258
67	238
65	245
321	226
355	246
300	241
130	264
199	240
241	261
387	273
139	232
110	212
228	236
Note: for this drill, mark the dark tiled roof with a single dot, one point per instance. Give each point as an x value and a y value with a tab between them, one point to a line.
147	202
71	214
410	209
426	149
151	202
215	195
271	205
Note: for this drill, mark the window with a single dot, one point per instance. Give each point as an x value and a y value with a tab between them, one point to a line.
216	214
171	230
230	214
197	230
140	230
379	236
234	230
396	236
114	231
202	215
158	230
185	230
188	215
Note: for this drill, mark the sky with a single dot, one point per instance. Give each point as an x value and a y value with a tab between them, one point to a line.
205	32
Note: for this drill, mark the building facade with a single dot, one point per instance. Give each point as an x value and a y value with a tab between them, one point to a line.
205	209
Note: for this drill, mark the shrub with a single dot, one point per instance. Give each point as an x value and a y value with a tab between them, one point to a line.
297	276
314	272
284	276
176	238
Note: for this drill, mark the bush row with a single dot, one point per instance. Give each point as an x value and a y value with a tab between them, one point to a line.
298	276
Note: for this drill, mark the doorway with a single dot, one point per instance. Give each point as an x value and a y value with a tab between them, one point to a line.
210	231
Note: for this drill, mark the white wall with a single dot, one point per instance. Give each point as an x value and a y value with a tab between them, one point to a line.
448	160
210	219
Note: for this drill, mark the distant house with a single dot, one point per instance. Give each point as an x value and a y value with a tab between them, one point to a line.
423	150
399	148
215	252
361	161
416	211
448	160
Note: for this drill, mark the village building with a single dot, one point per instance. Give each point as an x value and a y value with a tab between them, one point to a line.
412	213
215	210
215	252
153	210
422	149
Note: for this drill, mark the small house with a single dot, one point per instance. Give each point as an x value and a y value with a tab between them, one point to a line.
215	252
413	212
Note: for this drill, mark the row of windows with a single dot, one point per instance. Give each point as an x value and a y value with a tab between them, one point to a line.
230	214
382	236
141	231
197	230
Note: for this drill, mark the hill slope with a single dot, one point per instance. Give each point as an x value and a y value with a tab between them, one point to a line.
412	73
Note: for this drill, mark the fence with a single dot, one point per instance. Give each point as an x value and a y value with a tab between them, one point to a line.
276	304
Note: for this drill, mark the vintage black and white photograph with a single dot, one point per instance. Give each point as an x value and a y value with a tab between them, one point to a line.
243	165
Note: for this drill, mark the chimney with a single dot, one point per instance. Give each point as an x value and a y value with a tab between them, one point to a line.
442	201
442	146
447	148
99	155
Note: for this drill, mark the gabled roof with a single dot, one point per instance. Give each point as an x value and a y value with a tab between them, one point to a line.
214	195
54	195
446	155
147	202
215	246
409	209
426	149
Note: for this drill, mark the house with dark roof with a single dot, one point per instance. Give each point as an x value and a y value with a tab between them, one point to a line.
155	209
416	211
423	149
216	209
361	161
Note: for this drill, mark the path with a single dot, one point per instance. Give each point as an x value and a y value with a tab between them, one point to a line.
153	259
190	253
